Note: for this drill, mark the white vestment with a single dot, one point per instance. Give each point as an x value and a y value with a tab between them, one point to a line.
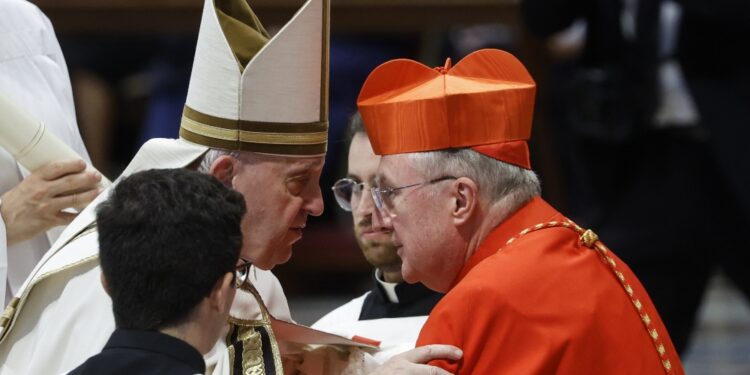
33	76
64	316
396	335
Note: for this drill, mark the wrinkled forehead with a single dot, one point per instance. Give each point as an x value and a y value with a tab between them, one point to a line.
285	165
394	169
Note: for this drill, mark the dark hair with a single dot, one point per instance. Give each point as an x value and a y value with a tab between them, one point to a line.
166	237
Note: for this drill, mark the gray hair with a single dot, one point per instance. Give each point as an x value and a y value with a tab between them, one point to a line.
356	126
499	183
211	155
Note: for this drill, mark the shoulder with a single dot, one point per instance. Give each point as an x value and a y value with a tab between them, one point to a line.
524	279
23	14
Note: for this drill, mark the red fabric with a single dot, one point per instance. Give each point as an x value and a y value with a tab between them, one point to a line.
545	304
516	152
487	98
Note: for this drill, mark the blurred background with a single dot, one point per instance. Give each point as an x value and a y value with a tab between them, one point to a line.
641	122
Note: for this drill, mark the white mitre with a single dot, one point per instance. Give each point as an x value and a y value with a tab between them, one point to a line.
248	93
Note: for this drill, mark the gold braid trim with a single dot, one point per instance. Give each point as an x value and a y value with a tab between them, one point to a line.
252	353
7	319
589	239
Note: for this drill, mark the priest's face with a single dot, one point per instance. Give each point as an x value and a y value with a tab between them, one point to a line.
280	193
374	240
420	216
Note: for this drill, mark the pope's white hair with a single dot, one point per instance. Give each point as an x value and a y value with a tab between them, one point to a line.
500	184
214	153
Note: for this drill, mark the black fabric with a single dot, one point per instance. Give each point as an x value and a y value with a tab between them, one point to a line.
143	352
414	300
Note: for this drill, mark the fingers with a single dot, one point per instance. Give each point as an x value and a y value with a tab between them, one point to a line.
77	182
56	169
78	201
427	353
430	370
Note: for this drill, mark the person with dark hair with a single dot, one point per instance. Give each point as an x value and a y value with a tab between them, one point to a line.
392	312
169	243
256	118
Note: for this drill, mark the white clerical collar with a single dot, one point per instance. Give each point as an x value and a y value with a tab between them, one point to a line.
389	288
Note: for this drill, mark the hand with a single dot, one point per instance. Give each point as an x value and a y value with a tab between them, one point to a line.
413	361
37	203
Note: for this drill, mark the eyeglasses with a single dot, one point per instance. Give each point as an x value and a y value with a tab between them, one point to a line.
347	191
383	196
242	272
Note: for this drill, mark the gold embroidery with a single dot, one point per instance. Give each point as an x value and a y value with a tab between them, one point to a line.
7	322
252	136
284	138
667	364
252	351
646	319
654	334
620	276
247	332
590	239
208	130
9	312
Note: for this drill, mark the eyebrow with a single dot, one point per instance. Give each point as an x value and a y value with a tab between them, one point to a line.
379	179
305	168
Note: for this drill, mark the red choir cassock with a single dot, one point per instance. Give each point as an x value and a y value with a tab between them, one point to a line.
540	295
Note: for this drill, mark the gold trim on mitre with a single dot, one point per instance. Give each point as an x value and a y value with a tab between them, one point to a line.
265	137
251	93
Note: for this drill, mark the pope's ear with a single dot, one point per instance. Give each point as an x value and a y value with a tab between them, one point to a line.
465	197
223	169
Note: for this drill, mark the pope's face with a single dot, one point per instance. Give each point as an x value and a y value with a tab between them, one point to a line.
280	192
422	225
375	242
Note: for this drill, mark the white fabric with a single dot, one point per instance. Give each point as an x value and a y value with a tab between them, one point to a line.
215	80
396	335
282	82
389	288
65	318
33	75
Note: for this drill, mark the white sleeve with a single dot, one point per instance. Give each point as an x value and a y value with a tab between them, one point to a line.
3	262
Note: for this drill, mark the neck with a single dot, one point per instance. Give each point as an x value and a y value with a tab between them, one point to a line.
493	217
193	334
391	275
